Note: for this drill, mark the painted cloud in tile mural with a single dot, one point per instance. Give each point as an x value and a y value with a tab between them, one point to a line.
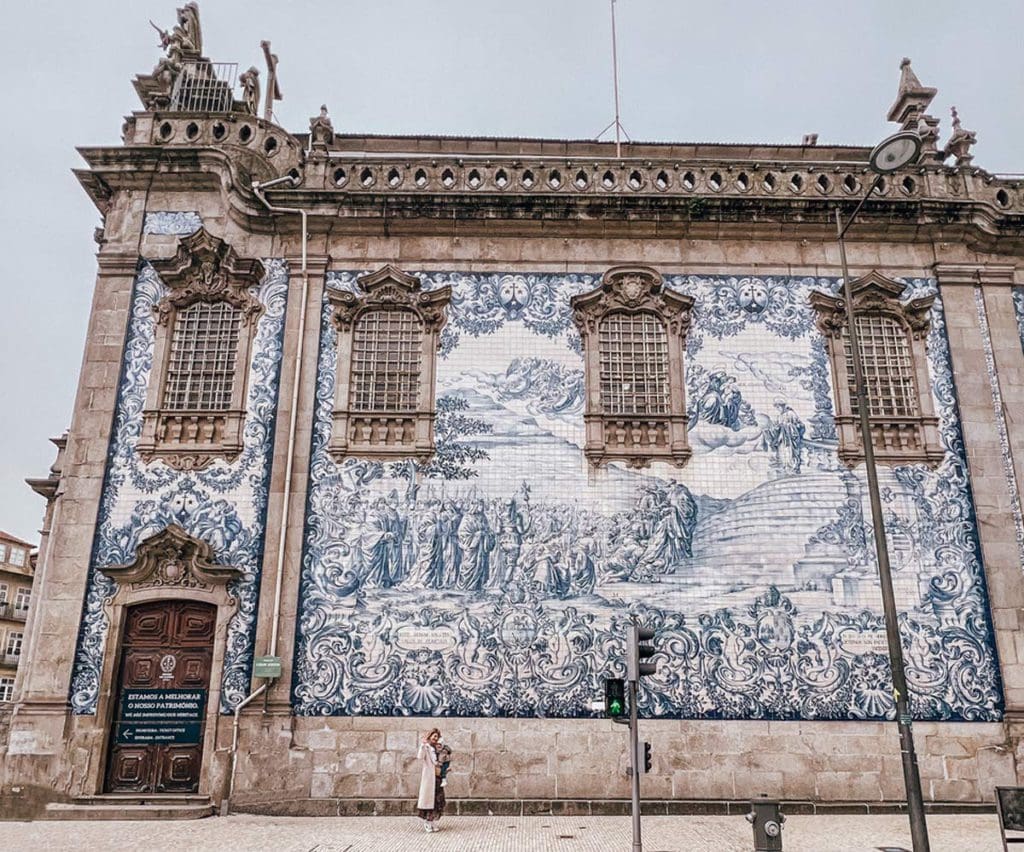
497	579
224	504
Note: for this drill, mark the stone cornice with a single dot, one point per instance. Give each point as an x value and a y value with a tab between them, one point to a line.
971	274
700	198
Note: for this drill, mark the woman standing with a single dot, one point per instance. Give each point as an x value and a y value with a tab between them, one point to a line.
431	800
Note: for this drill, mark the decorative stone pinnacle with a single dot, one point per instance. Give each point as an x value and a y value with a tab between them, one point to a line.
959	144
912	98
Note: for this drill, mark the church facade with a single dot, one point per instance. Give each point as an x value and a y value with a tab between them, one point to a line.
377	433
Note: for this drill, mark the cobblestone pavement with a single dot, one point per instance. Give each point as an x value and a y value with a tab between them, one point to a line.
949	833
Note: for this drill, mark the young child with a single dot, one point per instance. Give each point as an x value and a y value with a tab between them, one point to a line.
444	758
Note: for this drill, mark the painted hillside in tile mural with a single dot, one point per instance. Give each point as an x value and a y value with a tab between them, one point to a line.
497	579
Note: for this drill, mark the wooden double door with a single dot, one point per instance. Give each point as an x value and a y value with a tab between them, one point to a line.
156	736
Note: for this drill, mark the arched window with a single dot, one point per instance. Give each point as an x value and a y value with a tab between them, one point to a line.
633	332
892	338
384	371
205	329
201	367
634	364
386	356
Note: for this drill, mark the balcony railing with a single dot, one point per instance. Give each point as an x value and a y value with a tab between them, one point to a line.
204	87
12	659
14	613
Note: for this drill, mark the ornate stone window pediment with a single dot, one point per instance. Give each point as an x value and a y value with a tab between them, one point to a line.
634	335
892	337
388	336
206	324
173	559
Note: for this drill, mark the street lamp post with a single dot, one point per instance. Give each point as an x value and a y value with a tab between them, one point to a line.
891	154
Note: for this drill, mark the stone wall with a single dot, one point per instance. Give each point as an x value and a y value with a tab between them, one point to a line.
334	763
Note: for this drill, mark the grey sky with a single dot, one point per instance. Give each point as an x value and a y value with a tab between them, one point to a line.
690	71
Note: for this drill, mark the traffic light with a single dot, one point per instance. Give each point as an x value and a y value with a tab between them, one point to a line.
639	649
614	697
647	757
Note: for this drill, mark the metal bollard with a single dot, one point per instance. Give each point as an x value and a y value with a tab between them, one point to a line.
764	816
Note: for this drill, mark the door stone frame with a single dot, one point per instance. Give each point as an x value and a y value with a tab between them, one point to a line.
169	566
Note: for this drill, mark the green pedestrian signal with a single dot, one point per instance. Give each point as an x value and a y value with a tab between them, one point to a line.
615	697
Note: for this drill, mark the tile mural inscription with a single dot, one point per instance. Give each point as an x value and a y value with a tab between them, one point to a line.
224	504
497	579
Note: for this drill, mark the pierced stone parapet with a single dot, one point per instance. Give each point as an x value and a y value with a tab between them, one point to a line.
704	179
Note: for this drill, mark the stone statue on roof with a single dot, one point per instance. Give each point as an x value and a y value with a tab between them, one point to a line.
185	41
321	130
250	81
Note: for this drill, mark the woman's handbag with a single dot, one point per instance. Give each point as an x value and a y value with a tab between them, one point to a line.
437	771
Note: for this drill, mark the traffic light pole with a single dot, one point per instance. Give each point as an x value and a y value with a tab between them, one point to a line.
634	762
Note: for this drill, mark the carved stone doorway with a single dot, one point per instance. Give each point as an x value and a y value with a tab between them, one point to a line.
159	711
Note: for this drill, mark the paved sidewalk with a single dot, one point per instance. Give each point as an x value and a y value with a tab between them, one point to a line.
948	832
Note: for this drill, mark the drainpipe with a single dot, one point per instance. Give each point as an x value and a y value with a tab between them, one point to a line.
258	189
225	804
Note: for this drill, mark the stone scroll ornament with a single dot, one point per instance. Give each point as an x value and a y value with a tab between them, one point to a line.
499	584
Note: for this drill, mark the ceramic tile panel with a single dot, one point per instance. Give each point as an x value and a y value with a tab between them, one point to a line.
224	504
172	222
497	580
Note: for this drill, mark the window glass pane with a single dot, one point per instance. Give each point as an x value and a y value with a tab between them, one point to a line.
634	364
21	600
6	688
3	552
14	643
17	556
888	367
386	351
3	593
201	366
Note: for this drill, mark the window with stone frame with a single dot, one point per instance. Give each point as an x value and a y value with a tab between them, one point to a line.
205	328
13	646
4	591
6	689
892	338
23	598
387	339
633	331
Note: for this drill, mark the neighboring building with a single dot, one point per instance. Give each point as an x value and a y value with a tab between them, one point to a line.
434	441
16	569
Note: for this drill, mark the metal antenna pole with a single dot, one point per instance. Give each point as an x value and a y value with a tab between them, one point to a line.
615	75
911	776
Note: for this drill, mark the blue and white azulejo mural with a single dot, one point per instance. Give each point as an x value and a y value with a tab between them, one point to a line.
224	504
497	579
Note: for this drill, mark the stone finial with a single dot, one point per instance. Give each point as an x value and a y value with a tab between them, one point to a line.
912	99
959	144
321	131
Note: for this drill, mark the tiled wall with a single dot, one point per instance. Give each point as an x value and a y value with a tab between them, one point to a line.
496	582
225	504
